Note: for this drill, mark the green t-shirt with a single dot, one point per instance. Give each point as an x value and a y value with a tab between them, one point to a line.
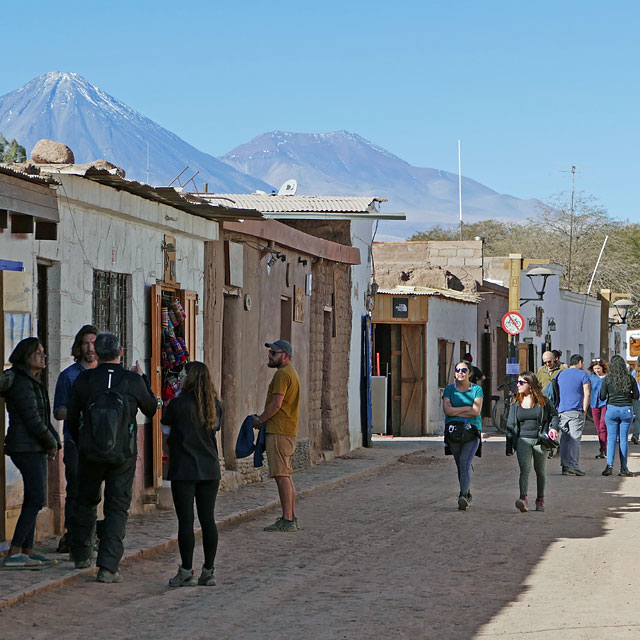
463	399
286	382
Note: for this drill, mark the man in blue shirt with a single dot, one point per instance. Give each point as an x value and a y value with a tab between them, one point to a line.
575	394
85	358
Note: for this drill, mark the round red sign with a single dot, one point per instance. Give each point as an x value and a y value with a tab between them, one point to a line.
512	323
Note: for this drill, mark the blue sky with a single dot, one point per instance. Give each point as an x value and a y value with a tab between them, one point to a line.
530	88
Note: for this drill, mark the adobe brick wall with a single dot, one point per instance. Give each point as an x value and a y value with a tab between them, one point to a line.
329	361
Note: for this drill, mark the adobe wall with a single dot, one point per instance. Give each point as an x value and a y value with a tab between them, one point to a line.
440	264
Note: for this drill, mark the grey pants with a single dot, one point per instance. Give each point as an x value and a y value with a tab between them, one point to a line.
526	449
571	425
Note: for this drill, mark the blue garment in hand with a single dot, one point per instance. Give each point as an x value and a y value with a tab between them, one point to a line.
245	445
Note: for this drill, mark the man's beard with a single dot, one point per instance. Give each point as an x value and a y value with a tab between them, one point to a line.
273	365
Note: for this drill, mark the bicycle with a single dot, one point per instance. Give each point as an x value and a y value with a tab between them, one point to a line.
500	409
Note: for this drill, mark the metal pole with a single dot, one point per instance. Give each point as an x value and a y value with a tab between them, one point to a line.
573	190
593	275
460	186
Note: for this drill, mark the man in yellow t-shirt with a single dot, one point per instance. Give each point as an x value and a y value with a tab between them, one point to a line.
280	416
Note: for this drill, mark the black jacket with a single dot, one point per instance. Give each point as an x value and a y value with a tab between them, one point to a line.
549	416
136	389
30	429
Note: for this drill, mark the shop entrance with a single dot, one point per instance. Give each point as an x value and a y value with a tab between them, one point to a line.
173	343
399	354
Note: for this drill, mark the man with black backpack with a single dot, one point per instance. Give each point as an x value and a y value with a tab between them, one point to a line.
101	418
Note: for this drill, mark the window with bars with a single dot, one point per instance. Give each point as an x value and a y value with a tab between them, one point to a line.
110	301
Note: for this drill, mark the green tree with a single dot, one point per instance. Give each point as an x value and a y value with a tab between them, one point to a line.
11	151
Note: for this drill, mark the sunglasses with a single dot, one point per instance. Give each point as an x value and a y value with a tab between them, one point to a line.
521	382
547	361
596	360
273	353
461	370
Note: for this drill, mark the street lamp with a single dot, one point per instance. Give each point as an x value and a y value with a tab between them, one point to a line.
622	309
538	278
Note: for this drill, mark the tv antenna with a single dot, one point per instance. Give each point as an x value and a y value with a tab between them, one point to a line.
289	188
181	184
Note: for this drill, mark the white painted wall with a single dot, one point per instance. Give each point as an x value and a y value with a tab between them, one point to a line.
454	321
102	228
573	334
361	232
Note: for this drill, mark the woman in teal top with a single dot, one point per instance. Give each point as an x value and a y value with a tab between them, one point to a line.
462	403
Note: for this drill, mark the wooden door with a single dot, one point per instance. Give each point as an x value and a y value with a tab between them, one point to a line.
189	301
411	381
523	352
156	383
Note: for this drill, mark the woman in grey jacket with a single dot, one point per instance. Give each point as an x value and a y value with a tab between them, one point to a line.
30	438
530	411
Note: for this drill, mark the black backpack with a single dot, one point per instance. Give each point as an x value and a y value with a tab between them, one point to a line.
107	434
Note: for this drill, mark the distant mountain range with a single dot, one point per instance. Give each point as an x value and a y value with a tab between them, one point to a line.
67	108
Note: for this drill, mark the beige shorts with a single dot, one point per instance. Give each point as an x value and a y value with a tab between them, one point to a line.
280	450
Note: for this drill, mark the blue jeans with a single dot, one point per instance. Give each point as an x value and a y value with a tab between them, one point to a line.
463	455
33	467
618	420
636	421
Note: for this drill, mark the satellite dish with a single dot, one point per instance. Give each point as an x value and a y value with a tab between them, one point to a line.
289	188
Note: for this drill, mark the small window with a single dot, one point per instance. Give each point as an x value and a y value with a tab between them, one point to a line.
111	293
445	362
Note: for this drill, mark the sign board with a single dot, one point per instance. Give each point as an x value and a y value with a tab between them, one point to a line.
512	323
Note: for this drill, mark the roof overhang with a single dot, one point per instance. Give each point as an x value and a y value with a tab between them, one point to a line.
313	215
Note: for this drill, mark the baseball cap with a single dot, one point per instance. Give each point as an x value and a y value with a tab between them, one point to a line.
280	345
468	357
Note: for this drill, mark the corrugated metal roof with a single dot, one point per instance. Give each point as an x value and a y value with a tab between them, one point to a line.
293	204
7	171
429	291
171	197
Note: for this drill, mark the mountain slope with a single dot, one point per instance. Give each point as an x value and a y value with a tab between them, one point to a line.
66	108
343	163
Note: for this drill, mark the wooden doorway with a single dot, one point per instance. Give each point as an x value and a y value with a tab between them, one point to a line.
399	348
411	380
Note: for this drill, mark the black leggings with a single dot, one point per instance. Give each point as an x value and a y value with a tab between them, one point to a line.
204	492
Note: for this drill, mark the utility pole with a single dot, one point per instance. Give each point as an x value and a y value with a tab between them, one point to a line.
573	193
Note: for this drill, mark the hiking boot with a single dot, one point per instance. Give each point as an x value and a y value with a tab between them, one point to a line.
48	562
539	504
63	544
20	561
634	439
82	564
469	498
108	577
600	455
626	472
522	504
463	502
576	472
565	471
207	577
184	578
281	524
608	470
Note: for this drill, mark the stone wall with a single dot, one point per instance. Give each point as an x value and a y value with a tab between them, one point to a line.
443	265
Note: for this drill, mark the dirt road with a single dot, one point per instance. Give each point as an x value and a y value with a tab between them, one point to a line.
390	556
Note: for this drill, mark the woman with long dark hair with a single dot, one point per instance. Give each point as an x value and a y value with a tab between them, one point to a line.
30	439
598	370
191	420
527	415
462	404
619	389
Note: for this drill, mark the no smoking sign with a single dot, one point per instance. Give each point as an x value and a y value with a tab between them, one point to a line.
512	323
